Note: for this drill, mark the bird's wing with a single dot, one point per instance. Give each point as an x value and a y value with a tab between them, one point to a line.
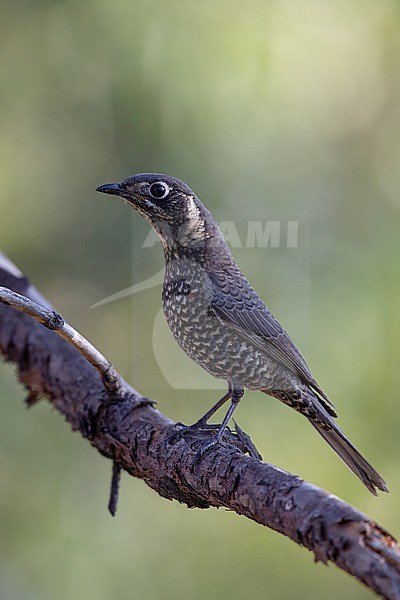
236	303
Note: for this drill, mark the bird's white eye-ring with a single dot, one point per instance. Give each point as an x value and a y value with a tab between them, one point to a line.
159	190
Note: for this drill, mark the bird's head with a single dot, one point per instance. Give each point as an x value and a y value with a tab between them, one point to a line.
174	211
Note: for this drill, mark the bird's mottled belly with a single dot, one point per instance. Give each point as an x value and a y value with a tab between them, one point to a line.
213	344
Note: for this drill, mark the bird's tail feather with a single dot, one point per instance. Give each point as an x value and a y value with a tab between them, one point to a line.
308	404
337	440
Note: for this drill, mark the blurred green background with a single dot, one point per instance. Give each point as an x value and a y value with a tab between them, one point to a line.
282	110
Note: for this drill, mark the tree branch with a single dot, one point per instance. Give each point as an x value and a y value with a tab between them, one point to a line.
125	427
53	321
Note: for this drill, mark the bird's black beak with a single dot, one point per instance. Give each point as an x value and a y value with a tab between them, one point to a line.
112	188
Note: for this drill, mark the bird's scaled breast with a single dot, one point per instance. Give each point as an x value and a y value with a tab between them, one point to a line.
204	337
186	304
186	300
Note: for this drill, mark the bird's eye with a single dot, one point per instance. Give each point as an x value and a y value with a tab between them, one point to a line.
159	190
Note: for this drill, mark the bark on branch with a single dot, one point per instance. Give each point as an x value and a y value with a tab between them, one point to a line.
125	427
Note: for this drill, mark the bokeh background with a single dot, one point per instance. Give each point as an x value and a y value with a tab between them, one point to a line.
279	110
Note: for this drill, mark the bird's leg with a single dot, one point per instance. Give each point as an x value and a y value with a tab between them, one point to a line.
204	419
237	393
202	423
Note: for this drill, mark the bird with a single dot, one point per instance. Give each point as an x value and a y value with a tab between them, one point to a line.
220	321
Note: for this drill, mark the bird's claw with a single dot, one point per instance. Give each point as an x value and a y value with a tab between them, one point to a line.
202	425
204	448
180	430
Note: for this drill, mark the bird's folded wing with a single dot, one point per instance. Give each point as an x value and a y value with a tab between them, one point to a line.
258	326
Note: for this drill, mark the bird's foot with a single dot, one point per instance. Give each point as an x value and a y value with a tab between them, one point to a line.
181	430
238	438
202	425
205	447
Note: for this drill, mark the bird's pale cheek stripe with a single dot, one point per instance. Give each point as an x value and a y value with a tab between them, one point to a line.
193	209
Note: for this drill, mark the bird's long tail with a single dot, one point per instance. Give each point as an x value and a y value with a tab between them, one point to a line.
351	456
316	412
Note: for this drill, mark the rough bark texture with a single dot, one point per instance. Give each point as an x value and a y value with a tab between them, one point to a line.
165	455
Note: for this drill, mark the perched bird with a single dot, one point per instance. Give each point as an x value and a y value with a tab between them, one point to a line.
220	321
